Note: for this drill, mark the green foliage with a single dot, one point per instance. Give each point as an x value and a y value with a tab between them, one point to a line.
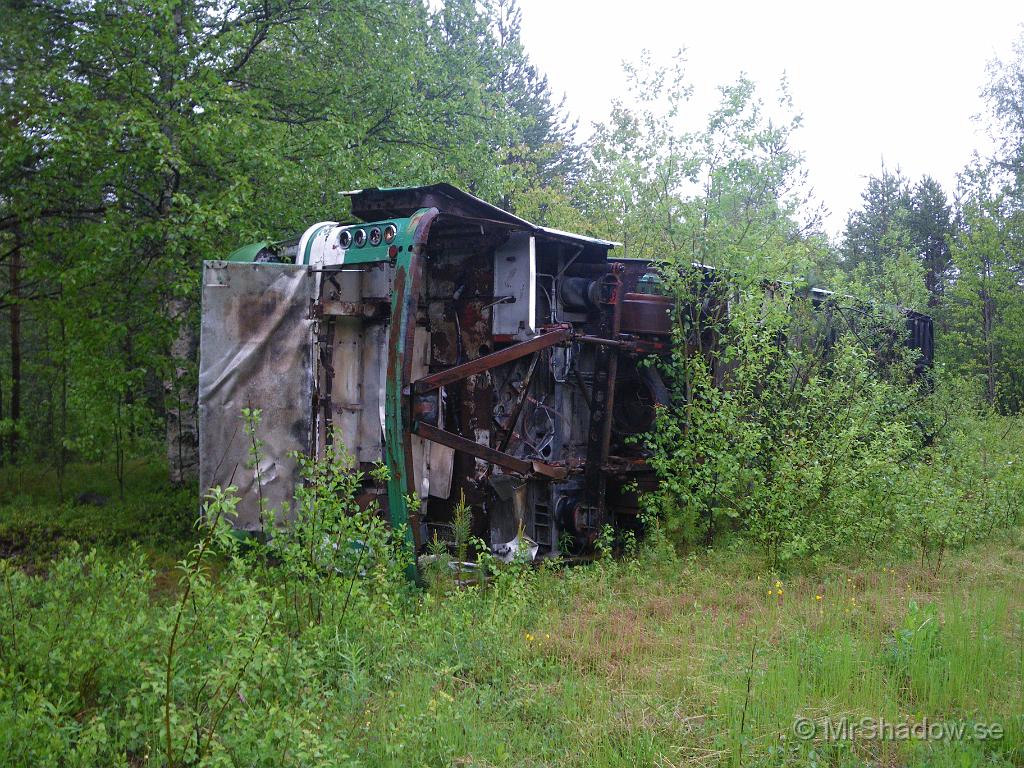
71	660
334	555
725	194
813	454
964	487
139	139
629	661
39	518
916	642
783	433
986	304
895	248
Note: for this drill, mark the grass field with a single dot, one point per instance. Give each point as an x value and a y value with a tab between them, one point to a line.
664	660
37	520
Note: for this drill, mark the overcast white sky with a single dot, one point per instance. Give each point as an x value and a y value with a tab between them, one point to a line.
895	80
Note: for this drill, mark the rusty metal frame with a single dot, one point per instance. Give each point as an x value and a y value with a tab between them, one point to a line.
602	398
485	453
464	444
493	360
508	430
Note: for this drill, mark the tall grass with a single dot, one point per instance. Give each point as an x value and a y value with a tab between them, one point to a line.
325	656
652	661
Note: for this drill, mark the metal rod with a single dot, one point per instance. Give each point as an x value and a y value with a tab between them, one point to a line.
460	443
493	360
607	342
487	454
517	410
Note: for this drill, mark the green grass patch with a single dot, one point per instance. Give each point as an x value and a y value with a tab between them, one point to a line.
704	661
39	518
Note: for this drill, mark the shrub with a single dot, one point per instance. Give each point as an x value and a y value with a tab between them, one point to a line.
811	439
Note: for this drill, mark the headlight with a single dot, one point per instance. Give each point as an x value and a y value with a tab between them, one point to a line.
360	238
375	236
345	238
389	233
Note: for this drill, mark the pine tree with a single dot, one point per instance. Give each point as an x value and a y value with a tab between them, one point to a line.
931	225
877	232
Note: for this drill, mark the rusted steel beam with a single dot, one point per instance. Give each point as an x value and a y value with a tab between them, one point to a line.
606	360
493	360
629	344
624	344
464	444
550	470
490	455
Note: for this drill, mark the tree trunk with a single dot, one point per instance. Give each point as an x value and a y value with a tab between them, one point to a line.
15	328
987	318
182	398
1	419
62	451
181	387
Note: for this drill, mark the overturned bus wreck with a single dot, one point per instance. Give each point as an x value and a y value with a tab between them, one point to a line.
472	352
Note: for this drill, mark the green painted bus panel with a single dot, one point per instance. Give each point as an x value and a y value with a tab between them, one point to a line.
248	252
395	434
369	254
397	412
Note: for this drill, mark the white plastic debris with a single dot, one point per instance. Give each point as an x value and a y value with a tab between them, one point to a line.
509	551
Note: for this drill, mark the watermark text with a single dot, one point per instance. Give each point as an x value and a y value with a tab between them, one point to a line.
880	729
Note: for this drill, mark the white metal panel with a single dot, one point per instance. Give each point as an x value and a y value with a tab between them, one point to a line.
515	287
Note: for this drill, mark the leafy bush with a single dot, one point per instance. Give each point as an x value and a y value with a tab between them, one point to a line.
802	429
95	672
276	656
968	481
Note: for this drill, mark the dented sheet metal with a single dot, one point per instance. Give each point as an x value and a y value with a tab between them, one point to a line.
256	352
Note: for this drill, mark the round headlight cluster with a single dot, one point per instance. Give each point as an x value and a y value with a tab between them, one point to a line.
360	237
